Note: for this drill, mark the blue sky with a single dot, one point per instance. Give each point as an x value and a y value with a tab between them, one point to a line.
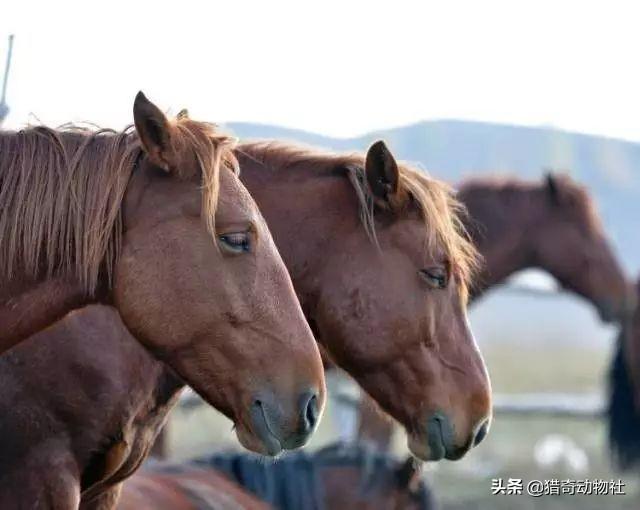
337	68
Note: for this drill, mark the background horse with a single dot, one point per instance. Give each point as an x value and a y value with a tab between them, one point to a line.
158	224
624	401
551	225
337	477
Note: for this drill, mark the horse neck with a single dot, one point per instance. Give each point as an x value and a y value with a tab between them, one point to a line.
150	401
504	225
28	306
305	213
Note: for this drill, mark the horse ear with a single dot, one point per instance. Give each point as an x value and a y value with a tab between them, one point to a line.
382	171
154	131
553	189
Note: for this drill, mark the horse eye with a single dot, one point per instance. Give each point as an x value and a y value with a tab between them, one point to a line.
436	277
235	242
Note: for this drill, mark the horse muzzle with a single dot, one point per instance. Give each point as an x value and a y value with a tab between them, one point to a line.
440	439
284	429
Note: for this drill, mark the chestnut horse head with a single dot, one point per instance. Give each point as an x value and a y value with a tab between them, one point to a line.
157	222
381	262
551	225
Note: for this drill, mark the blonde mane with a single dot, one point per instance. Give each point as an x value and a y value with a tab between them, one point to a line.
442	213
61	193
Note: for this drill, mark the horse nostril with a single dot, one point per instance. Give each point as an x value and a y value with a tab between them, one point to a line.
310	411
481	433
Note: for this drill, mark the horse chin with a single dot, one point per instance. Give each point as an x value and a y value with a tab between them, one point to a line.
262	442
433	448
421	450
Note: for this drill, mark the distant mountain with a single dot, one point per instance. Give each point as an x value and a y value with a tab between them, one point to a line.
454	150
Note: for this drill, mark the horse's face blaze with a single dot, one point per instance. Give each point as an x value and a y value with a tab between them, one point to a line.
218	307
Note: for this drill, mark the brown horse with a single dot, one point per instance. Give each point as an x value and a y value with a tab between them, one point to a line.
337	477
157	223
624	403
552	225
381	264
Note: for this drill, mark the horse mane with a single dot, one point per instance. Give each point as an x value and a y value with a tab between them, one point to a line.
443	214
61	192
294	480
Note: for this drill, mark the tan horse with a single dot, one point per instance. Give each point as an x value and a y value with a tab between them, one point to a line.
157	223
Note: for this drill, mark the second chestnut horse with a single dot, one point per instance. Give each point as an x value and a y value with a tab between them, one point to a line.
550	224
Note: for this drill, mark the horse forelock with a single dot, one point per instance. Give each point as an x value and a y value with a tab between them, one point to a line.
443	215
213	150
61	192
